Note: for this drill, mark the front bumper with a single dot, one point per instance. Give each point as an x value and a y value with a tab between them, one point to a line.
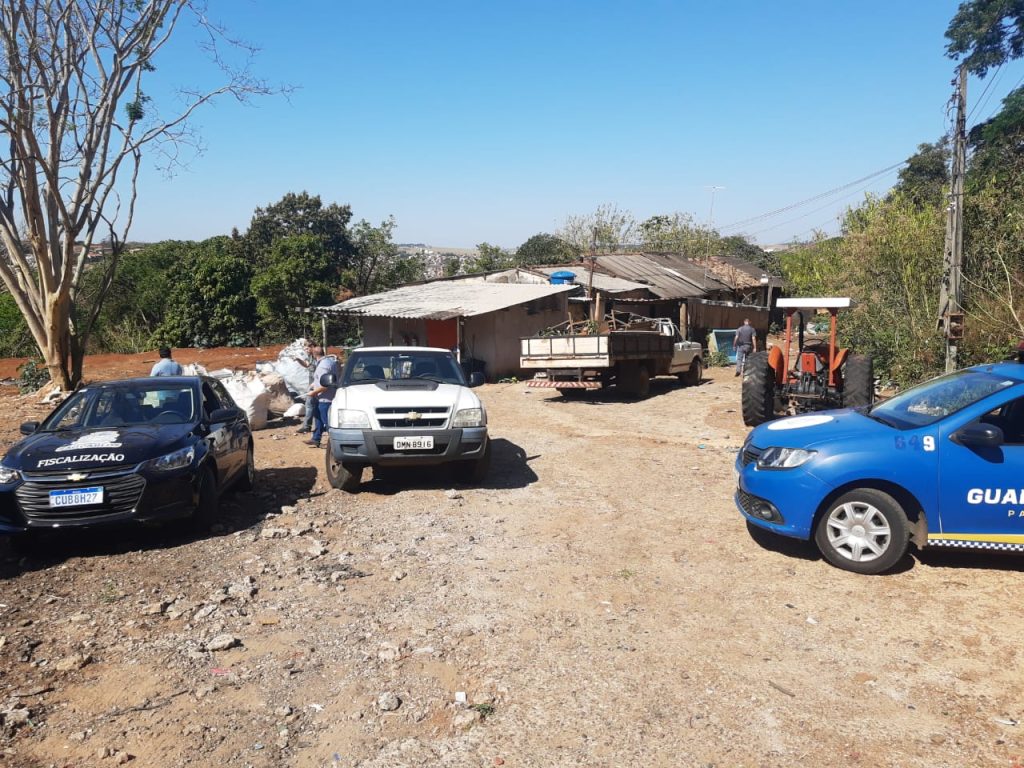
375	447
129	496
794	494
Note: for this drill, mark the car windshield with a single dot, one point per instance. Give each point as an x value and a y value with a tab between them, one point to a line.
124	405
369	367
927	403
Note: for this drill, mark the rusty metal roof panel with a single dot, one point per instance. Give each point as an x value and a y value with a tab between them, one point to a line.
666	277
445	300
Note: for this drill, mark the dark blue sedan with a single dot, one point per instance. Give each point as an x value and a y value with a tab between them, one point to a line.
131	451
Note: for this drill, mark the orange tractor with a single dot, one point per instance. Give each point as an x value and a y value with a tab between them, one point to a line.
820	375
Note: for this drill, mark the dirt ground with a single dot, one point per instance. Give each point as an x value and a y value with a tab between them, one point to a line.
598	601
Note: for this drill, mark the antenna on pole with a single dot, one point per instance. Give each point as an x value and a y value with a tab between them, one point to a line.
711	219
951	313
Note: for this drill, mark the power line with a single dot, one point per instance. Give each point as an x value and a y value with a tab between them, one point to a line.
986	94
813	199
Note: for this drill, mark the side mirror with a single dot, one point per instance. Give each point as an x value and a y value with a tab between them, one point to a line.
476	378
29	427
221	415
328	380
979	436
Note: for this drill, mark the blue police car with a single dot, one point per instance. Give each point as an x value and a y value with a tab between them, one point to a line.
940	464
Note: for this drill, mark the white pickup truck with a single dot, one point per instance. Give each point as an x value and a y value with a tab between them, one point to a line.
404	406
627	359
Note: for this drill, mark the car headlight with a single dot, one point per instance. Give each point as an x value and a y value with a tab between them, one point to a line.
346	419
783	458
469	417
8	475
175	460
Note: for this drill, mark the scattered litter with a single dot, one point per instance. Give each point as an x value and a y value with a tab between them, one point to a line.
780	689
317	707
220	671
460	697
811	620
1006	721
702	446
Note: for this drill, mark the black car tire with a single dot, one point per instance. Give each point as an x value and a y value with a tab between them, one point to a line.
758	393
28	544
208	504
475	471
859	381
343	476
863	519
248	477
693	376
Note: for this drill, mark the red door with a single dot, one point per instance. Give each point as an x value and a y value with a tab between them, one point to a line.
443	333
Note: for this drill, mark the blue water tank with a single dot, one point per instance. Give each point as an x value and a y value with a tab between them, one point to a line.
564	277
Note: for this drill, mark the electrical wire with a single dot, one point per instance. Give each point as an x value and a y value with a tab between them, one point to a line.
813	199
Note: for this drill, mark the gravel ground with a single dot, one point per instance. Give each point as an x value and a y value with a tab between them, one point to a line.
596	602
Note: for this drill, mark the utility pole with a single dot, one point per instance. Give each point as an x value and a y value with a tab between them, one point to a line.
951	313
711	219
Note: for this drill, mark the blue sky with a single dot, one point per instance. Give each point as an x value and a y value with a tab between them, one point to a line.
489	121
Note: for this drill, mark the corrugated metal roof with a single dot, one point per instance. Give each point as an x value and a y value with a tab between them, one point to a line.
602	281
669	277
445	300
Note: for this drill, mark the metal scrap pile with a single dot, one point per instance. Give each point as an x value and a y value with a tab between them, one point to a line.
613	321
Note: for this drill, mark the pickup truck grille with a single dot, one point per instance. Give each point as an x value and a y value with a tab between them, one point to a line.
427	417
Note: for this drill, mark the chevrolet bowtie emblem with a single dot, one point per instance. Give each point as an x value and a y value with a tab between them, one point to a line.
78	476
413	416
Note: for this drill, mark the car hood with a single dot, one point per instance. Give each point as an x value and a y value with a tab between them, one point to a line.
369	397
96	448
811	430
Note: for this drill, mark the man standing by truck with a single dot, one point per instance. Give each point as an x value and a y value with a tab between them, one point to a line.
744	343
319	394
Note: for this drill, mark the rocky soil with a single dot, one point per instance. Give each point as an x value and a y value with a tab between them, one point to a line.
596	602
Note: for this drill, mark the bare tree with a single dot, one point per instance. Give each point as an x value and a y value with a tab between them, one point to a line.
74	121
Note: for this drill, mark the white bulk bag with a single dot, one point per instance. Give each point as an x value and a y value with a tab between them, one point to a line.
251	396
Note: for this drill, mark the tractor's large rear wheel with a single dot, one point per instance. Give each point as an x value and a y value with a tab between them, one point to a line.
758	390
859	381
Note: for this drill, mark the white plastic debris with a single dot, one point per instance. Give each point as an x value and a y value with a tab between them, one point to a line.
460	697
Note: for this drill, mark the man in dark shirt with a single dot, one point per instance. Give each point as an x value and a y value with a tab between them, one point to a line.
744	343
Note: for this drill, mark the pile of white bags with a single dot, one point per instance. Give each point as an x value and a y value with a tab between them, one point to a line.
249	394
296	376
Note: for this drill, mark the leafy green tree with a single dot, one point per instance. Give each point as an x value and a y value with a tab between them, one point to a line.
543	248
15	340
677	233
295	275
607	229
377	264
301	214
986	34
451	264
489	258
210	303
925	177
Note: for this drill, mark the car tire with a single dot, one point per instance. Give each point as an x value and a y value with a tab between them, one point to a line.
343	476
864	531
28	544
693	376
475	471
859	381
758	390
208	504
248	478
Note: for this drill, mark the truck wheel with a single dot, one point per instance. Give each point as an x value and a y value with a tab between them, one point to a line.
475	471
345	477
864	531
643	382
692	377
859	381
758	396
